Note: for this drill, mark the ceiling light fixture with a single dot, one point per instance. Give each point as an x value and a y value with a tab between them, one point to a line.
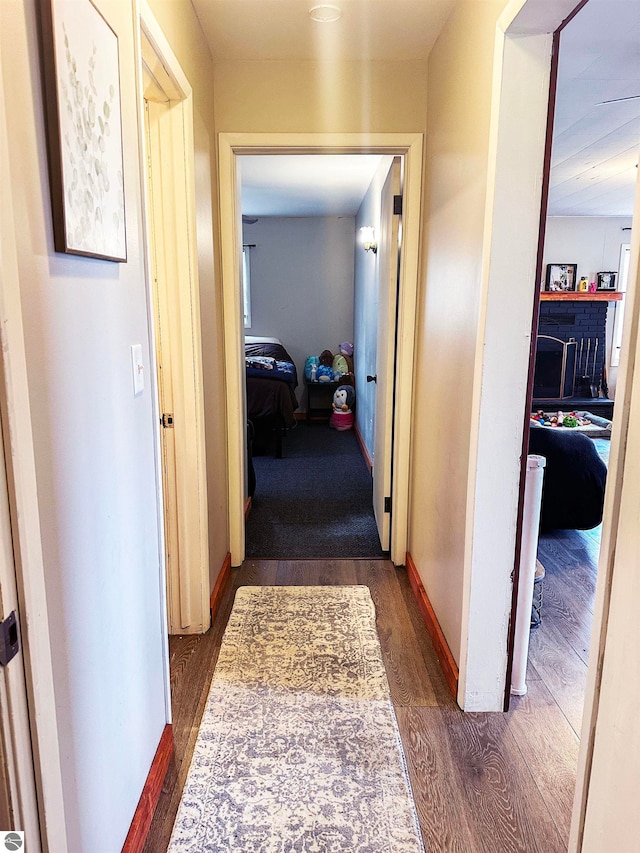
325	14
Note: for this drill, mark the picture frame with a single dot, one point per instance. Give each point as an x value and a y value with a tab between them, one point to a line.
561	278
606	280
81	82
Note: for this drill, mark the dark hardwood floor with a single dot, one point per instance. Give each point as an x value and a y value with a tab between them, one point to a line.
483	783
559	648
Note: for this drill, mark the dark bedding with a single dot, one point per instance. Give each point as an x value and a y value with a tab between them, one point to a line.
269	397
279	355
271	382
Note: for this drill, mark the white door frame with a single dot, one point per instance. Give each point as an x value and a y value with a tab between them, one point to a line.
189	608
230	145
44	751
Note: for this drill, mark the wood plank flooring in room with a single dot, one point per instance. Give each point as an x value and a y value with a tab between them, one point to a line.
483	783
559	648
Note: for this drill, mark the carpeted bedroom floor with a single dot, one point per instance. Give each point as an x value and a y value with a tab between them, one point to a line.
314	502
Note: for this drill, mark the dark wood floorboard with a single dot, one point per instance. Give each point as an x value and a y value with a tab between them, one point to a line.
559	648
561	669
482	782
502	802
549	747
402	655
437	787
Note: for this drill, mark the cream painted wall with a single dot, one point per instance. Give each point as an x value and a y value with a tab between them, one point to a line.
182	29
94	441
615	772
608	778
320	97
95	465
593	242
459	102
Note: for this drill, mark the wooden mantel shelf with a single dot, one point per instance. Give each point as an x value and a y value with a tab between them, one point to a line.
608	296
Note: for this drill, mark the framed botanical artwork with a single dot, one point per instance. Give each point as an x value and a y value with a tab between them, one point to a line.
84	130
606	280
561	278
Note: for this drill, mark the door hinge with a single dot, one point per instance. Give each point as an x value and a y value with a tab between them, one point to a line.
387	504
167	420
397	205
9	642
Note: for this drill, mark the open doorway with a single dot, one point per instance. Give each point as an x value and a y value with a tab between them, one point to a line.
591	189
592	183
231	147
320	324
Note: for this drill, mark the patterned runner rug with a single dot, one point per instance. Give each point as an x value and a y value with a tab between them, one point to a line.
298	749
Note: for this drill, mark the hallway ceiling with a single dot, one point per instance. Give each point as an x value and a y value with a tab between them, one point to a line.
282	29
595	147
305	184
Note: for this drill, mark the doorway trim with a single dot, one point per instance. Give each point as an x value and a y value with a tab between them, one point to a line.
524	26
230	145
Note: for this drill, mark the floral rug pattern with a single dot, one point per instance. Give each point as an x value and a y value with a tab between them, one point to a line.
298	749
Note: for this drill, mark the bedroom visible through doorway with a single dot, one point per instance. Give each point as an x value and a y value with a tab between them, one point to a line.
319	314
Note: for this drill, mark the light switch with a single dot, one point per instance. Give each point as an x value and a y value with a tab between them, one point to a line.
138	369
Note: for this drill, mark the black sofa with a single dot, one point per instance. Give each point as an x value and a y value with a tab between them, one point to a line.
574	479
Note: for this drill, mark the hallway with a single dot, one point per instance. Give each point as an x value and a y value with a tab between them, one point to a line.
480	781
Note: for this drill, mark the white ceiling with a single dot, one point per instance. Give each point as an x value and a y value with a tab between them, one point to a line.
305	184
595	148
282	29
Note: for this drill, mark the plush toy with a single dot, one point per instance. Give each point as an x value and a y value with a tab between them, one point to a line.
343	398
326	358
340	367
346	350
324	373
342	416
311	368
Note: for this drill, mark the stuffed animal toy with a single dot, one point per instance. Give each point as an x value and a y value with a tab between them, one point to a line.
346	350
324	373
343	398
311	368
342	416
340	367
326	358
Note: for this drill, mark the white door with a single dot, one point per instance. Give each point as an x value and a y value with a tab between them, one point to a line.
178	360
18	804
389	268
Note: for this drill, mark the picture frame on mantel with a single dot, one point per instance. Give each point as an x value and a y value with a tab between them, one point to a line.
606	281
81	77
561	278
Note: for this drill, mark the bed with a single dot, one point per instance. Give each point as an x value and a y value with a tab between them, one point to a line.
271	384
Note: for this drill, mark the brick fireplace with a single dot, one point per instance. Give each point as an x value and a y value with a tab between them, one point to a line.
584	321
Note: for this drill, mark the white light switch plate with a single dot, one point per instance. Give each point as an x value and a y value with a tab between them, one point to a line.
138	369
